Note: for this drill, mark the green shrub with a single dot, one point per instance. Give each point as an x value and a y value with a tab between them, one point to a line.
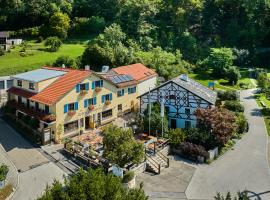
227	95
3	172
266	111
66	60
176	136
128	176
2	52
234	106
242	123
54	43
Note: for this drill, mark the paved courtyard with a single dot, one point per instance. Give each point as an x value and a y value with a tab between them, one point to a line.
170	184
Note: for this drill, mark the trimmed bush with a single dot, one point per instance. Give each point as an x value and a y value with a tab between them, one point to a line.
176	136
227	95
3	172
128	176
192	150
234	106
242	123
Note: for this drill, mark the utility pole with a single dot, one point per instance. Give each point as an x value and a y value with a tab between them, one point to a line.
149	111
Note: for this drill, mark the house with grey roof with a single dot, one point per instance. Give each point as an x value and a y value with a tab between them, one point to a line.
6	43
181	97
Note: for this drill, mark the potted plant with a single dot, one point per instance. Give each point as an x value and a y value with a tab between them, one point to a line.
129	179
107	102
97	89
3	175
71	113
83	92
91	107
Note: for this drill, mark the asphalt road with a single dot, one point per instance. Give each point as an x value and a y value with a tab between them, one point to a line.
243	168
35	169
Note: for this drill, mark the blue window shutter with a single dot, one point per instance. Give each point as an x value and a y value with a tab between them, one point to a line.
65	108
76	105
101	83
87	86
93	85
110	96
85	103
78	88
95	101
103	98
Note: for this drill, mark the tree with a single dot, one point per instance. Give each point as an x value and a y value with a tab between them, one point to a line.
54	43
92	184
155	120
220	60
233	75
219	121
240	196
120	147
262	80
66	60
59	25
3	172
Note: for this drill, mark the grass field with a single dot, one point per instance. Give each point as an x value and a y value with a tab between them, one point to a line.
261	98
36	57
205	77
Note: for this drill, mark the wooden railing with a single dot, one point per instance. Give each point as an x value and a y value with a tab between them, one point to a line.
154	163
165	158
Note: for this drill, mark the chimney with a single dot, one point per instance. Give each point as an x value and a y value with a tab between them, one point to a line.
87	67
63	66
105	69
184	77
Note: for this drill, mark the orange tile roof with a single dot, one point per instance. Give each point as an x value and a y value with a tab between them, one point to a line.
138	71
61	86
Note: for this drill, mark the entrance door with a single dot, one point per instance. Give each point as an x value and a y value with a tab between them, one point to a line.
173	123
87	124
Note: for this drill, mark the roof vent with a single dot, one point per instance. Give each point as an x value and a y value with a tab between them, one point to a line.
105	69
87	67
63	66
184	77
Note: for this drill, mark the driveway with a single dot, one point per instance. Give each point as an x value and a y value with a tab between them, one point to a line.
243	168
35	170
171	184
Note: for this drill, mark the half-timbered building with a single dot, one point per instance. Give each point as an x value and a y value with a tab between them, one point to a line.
181	97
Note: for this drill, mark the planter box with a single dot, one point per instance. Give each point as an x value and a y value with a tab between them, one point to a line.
213	153
130	184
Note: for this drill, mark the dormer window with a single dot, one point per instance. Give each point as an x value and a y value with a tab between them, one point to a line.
31	86
19	83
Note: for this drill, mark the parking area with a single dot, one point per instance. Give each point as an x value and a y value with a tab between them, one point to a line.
171	183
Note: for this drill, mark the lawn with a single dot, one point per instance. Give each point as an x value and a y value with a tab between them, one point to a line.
261	98
222	84
36	57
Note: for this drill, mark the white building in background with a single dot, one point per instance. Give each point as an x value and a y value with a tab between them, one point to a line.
5	83
182	96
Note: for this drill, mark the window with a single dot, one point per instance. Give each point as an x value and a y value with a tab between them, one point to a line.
106	97
9	83
97	84
19	83
36	106
2	85
71	126
70	107
172	96
31	86
91	101
19	99
82	87
132	90
120	107
120	93
47	109
187	124
107	114
187	111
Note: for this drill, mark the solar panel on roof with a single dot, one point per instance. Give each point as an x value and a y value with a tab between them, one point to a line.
117	79
121	78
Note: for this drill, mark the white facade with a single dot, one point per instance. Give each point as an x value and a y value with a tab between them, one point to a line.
14	41
144	86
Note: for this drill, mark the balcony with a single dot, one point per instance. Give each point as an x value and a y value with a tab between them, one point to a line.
91	107
107	102
71	113
83	92
39	114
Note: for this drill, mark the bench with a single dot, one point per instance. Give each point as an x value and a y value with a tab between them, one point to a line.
263	104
